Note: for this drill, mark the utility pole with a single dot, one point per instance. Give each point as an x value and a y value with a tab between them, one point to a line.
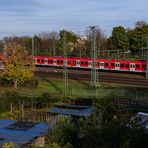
94	53
147	60
33	45
65	71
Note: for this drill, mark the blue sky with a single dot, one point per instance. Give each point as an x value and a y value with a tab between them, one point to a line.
26	17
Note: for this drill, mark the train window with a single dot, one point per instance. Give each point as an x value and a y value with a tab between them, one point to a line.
101	64
69	62
54	61
50	61
132	65
42	60
98	64
122	65
137	66
144	66
127	65
38	60
58	61
89	63
46	60
61	61
74	62
82	63
112	64
106	64
78	62
86	63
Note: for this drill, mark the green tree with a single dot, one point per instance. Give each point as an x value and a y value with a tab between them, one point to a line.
119	38
19	66
71	41
28	44
138	36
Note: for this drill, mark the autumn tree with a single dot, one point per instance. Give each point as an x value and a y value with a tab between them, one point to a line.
19	66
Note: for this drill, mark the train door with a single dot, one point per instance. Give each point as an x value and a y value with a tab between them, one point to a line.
132	67
117	66
89	64
78	63
101	65
54	62
46	62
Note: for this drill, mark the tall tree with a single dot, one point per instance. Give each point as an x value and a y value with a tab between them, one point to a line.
19	66
138	36
49	42
71	41
119	38
1	45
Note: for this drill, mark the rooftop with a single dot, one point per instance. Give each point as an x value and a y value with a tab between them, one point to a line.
20	133
72	110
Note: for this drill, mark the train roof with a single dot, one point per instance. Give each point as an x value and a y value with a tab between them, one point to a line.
88	59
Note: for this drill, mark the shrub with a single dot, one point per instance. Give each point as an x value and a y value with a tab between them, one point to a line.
5	83
31	83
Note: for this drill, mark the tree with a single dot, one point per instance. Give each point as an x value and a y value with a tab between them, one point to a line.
71	41
101	40
119	38
140	24
1	45
49	42
137	36
19	66
9	145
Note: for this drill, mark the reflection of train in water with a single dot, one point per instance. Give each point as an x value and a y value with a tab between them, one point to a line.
86	63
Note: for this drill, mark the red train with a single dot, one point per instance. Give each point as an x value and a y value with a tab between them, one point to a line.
86	63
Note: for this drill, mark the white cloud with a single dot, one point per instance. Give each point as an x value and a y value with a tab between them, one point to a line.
42	15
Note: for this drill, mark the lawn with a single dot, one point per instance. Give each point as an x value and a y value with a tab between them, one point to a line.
55	87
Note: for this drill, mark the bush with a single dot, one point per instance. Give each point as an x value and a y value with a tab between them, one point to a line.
31	83
5	83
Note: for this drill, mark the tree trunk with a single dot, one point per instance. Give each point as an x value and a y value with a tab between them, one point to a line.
15	82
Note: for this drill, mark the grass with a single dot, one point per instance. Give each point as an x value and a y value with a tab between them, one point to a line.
82	89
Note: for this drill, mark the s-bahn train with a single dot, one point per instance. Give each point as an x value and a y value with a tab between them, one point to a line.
86	63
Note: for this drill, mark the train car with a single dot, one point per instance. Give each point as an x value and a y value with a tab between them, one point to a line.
86	63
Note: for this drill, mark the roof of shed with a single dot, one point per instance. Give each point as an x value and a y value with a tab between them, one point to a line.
72	110
20	133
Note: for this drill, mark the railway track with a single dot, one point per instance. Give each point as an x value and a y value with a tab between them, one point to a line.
131	104
103	78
